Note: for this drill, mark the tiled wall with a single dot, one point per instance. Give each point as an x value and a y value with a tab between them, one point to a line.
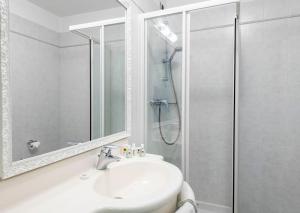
269	107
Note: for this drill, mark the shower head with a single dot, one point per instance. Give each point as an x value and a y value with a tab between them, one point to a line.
169	62
177	49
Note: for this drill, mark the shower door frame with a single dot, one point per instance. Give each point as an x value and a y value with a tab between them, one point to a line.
186	18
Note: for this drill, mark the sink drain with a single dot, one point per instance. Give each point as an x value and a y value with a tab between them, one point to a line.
118	198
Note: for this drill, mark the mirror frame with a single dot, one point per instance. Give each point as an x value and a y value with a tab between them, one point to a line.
10	168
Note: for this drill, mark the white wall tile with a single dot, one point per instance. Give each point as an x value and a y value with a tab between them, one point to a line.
269	117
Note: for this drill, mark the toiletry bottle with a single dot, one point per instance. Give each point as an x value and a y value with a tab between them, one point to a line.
138	151
128	152
133	148
142	151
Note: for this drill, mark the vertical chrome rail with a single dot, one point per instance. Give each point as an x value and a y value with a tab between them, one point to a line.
102	80
236	110
187	98
91	45
184	147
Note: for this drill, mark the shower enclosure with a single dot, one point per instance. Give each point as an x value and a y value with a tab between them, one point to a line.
190	71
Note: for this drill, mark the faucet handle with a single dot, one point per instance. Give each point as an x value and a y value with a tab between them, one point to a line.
106	150
165	102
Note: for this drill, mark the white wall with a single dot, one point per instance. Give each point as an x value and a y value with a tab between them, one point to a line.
148	5
177	3
269	107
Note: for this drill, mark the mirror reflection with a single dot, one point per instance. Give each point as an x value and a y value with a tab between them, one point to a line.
67	86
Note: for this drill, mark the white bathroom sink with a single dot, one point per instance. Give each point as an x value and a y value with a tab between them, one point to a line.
139	186
135	185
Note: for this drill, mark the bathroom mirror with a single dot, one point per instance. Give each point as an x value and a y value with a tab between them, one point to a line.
66	79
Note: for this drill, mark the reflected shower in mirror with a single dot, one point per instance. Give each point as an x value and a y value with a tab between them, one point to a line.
67	86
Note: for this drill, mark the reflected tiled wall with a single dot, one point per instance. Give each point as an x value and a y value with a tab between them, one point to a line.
29	101
74	93
50	87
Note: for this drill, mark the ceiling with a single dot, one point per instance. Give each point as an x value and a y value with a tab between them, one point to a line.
177	3
72	7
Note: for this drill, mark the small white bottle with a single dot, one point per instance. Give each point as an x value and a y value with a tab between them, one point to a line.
142	151
128	152
134	150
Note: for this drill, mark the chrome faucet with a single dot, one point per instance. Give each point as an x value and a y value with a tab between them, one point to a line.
105	158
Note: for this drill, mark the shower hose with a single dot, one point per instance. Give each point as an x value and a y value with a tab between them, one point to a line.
178	113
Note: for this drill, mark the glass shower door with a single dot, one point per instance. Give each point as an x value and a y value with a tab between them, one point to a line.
164	90
210	116
190	97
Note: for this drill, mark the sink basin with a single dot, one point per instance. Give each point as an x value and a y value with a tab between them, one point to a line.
148	185
139	186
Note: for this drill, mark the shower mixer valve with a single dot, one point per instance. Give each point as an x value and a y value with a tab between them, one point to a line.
158	102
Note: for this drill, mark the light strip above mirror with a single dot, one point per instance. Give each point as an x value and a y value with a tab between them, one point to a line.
97	24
